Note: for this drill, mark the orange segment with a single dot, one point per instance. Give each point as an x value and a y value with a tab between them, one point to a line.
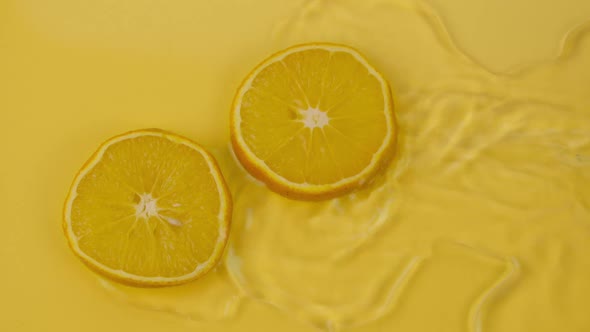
150	208
313	121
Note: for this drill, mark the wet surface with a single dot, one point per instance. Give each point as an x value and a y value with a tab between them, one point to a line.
479	224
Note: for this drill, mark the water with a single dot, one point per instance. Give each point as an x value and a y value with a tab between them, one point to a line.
489	167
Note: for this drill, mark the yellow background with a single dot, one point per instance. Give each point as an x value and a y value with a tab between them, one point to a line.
74	73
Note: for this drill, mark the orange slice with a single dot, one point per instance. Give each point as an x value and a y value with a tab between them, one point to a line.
313	121
149	208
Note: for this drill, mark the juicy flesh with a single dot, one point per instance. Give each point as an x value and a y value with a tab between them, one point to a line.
149	207
315	117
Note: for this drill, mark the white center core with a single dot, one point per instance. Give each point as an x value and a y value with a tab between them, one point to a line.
314	118
146	207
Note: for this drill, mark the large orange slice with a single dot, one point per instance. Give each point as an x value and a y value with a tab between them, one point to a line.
313	121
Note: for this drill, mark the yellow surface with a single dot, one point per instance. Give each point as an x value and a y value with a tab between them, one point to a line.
149	208
313	121
480	224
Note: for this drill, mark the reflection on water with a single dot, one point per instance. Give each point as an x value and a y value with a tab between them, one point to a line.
213	298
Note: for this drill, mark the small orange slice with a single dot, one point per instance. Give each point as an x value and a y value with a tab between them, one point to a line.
150	208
